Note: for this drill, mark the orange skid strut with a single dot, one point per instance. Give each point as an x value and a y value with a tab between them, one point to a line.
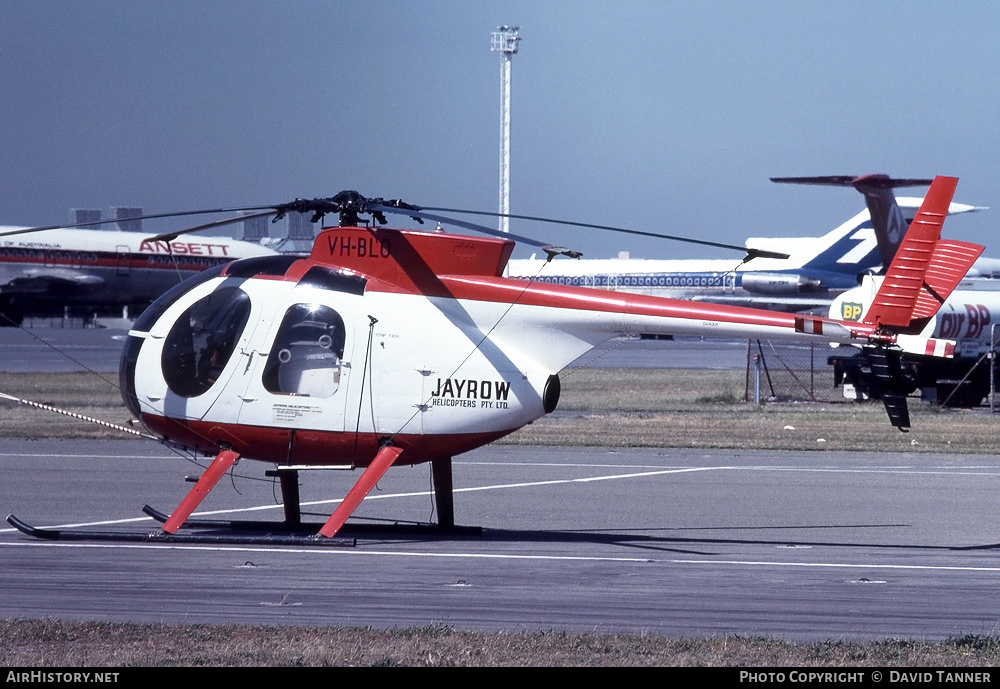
216	470
383	460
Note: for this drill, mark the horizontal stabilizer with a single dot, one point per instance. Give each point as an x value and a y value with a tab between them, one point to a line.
950	261
878	181
926	346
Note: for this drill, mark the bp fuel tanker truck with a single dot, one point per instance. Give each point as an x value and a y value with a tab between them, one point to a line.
968	317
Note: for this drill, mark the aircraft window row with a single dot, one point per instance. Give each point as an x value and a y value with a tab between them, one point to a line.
671	281
93	257
49	255
186	261
643	281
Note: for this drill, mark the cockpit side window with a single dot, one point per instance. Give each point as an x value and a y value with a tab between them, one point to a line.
202	340
306	355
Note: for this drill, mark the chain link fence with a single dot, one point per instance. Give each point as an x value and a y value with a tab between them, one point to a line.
789	372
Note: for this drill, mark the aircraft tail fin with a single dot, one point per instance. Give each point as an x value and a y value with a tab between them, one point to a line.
926	268
886	217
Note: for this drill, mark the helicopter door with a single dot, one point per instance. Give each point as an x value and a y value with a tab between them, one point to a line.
201	351
300	380
124	267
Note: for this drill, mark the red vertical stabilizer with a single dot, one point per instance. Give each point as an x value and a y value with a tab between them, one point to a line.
897	298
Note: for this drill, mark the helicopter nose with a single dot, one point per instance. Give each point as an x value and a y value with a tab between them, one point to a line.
126	374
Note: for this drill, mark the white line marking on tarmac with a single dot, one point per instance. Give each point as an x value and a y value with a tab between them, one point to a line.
327	550
422	493
532	484
840	565
496	556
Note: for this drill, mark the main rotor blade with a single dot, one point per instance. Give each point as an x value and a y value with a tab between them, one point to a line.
475	227
751	253
171	236
354	203
154	216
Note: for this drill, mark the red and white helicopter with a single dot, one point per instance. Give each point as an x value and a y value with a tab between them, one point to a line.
387	347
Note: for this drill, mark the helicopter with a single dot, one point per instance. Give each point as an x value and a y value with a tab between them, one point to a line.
389	347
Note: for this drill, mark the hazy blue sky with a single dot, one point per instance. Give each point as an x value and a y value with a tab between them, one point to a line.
665	116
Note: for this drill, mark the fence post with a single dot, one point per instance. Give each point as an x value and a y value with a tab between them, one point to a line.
756	378
993	361
812	370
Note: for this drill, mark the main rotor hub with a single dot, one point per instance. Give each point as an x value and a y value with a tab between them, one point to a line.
348	205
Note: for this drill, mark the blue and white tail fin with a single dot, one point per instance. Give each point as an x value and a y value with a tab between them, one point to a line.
888	217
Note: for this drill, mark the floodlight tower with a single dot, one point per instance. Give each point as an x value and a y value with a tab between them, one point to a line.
504	41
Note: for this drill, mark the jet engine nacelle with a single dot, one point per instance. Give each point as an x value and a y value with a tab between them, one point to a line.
779	283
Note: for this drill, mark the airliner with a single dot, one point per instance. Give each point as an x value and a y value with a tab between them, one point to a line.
43	272
817	268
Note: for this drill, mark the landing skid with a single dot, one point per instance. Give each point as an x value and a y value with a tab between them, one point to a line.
159	536
311	529
291	531
240	532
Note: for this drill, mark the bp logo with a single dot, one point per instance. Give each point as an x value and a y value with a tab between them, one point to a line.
850	311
